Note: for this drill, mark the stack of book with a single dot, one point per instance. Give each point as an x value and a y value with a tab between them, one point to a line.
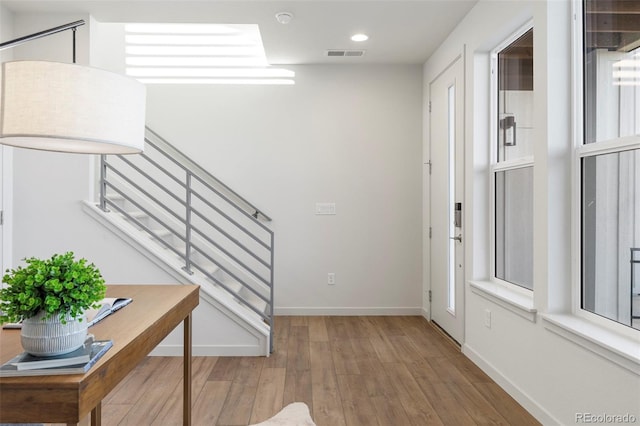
77	362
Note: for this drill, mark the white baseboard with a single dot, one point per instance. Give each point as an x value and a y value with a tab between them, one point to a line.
203	350
347	311
536	410
425	314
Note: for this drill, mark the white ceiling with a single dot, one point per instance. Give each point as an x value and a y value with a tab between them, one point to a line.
400	31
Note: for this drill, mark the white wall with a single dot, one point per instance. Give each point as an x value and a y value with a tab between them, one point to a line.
344	134
551	376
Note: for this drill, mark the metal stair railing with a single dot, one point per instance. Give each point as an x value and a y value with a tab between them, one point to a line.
210	227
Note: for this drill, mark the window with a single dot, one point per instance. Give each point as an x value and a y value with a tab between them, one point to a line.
609	162
512	167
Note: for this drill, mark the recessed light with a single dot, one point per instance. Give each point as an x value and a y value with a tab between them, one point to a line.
359	37
284	17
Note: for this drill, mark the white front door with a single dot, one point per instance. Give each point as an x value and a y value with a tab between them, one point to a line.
446	95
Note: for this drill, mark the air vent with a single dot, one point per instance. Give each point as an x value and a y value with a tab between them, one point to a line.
343	53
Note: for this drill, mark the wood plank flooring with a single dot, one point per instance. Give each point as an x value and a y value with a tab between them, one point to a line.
365	371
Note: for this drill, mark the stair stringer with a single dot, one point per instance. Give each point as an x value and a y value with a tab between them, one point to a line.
168	262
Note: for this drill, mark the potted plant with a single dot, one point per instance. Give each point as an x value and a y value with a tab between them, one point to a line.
49	297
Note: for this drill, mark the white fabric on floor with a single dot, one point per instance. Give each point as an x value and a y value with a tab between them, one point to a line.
295	414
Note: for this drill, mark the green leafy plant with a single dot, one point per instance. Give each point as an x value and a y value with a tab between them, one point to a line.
60	285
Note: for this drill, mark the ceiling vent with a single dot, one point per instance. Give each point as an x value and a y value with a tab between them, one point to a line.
344	53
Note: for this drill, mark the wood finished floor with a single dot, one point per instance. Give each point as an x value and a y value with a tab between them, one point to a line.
365	371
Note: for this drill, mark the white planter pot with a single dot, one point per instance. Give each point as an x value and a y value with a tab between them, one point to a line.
50	337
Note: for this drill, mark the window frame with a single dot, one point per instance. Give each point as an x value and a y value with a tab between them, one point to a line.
582	150
506	165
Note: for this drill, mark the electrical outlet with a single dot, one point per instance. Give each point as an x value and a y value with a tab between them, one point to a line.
331	278
487	318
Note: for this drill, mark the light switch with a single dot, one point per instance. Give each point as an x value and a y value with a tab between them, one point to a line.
325	208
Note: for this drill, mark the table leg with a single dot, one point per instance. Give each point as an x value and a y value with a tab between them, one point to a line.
96	415
186	408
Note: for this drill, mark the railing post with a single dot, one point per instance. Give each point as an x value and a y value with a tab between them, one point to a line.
187	254
103	183
634	262
271	313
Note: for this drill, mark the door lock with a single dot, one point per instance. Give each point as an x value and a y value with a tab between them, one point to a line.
457	215
458	238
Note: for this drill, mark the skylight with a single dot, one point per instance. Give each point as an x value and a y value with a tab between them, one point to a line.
199	54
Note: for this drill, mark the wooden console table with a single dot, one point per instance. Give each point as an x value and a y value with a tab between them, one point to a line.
135	330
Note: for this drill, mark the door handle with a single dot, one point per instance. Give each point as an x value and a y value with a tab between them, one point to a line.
458	238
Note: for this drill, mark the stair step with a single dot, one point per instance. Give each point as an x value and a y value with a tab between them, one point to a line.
137	218
232	285
213	270
116	199
138	214
254	300
161	233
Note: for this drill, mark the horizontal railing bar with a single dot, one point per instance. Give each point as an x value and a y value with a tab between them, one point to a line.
145	211
234	276
152	180
219	211
219	247
209	175
229	237
234	205
241	263
163	152
225	269
230	219
208	186
150	231
166	172
202	216
144	192
228	290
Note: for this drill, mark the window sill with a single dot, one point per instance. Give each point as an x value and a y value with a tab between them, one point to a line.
622	350
512	300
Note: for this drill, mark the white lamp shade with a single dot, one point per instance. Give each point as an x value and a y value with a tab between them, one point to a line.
70	108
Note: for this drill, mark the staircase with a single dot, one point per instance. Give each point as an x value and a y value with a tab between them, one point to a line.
194	226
